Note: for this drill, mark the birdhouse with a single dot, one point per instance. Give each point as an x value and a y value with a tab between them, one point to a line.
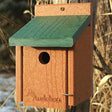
54	56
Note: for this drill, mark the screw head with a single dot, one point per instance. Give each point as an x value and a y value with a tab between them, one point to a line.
62	8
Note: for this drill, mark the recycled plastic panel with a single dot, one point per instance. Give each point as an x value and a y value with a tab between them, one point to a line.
19	73
80	69
51	31
44	84
63	9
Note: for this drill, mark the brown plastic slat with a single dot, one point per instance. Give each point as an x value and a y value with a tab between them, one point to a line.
80	69
19	73
63	9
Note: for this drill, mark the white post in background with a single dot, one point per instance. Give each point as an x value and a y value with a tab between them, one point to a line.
59	1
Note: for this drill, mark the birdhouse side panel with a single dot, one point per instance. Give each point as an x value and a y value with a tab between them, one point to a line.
19	73
44	83
71	75
80	69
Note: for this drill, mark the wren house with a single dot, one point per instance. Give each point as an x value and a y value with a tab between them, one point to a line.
54	56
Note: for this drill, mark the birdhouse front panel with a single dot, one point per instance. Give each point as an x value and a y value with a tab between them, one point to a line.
45	77
54	56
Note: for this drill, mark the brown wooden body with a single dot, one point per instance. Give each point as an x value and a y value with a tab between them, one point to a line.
69	70
80	69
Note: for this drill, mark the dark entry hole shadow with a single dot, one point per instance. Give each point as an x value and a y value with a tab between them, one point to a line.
44	58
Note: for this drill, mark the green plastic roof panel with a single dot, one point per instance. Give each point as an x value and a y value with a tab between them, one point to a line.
51	31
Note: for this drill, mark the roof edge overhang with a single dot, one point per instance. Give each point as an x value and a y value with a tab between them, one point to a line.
51	31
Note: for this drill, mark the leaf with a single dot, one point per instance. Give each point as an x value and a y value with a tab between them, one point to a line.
28	12
110	5
104	80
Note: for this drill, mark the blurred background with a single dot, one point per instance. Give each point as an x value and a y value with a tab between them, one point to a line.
13	17
11	20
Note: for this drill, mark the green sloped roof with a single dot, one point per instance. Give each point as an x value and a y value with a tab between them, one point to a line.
51	31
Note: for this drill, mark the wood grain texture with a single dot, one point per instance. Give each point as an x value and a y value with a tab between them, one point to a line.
45	83
71	76
80	69
69	9
19	73
51	31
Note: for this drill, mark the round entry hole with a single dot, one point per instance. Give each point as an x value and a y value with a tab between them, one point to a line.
44	58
